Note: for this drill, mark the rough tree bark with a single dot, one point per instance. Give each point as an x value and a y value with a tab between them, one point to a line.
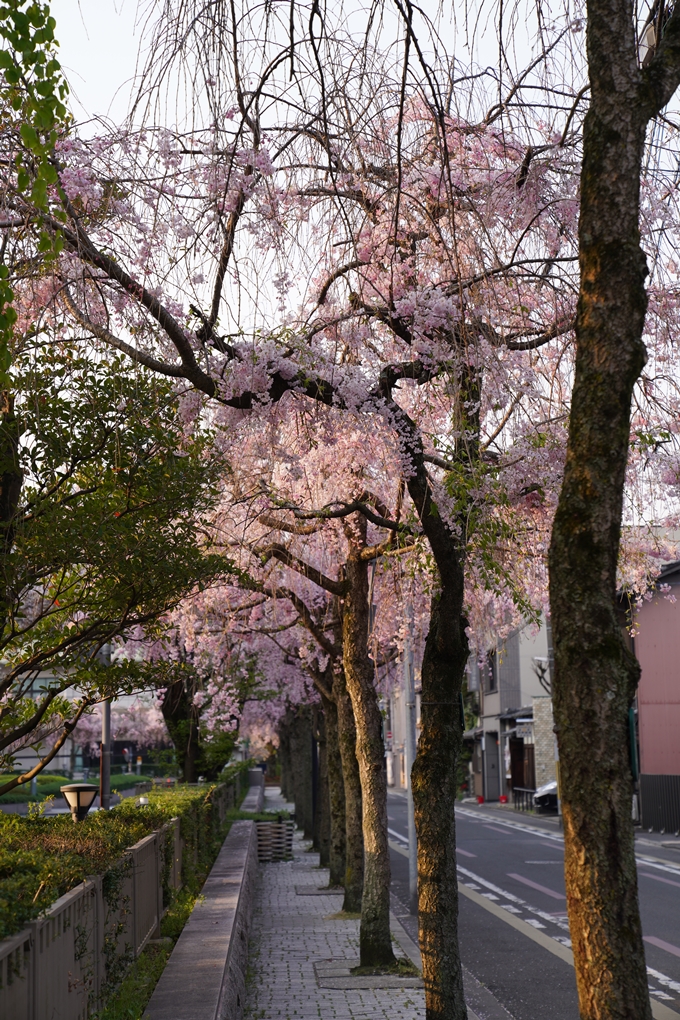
434	771
181	718
301	768
355	696
347	846
375	941
284	755
336	796
595	676
322	810
354	833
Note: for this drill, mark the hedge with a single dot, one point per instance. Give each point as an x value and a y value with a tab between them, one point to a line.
49	785
41	858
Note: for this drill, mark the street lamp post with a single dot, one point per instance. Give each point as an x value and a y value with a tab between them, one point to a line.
105	758
79	797
105	761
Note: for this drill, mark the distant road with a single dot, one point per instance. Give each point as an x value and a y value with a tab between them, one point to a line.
512	866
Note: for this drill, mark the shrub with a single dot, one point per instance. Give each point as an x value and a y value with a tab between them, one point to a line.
41	858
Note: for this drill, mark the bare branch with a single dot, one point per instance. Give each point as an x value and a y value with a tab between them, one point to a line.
323	293
27	776
174	371
279	552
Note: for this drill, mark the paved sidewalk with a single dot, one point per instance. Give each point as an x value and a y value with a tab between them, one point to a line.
300	954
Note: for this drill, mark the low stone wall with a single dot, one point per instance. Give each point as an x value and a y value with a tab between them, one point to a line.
204	978
254	799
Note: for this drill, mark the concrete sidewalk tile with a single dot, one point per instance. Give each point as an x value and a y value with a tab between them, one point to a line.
294	938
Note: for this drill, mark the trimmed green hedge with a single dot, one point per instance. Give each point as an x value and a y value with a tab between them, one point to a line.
41	858
49	786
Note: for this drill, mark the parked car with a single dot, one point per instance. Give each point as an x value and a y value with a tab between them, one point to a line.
545	798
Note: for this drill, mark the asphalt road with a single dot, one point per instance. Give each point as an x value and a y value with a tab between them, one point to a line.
516	863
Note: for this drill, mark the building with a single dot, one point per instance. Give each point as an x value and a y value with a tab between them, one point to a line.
656	643
396	714
513	747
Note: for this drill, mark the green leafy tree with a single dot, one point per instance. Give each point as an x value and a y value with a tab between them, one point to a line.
32	98
104	501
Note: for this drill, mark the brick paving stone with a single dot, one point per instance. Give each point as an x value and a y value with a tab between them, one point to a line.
290	932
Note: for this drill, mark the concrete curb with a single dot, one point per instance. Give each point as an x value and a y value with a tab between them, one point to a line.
253	800
204	978
408	946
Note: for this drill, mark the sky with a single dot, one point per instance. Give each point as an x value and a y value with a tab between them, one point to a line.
98	41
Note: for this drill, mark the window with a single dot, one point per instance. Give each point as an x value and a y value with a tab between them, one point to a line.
491	673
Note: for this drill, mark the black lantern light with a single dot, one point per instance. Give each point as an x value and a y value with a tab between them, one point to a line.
79	797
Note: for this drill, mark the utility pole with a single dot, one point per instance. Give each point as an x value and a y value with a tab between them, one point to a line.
410	749
105	755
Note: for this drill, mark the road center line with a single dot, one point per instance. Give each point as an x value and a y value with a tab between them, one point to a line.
660	944
535	885
658	878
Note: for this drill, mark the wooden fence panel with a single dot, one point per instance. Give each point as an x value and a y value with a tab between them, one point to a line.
16	973
65	959
59	967
147	871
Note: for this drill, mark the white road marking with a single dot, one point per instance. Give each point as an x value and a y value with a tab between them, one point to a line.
664	980
398	835
512	898
558	946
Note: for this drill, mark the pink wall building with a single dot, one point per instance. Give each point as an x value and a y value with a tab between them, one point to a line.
657	646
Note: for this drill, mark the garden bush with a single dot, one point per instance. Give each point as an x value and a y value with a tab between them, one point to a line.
42	857
50	784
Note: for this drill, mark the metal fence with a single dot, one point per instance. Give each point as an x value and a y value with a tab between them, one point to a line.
523	798
660	803
58	966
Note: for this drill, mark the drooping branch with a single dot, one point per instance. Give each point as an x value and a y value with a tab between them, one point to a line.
279	552
289	527
80	244
340	509
30	724
502	423
661	77
225	255
139	357
306	619
341	271
511	341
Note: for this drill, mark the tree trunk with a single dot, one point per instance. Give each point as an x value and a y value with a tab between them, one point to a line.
375	941
354	835
434	784
336	796
284	755
435	767
322	819
301	759
181	718
595	675
11	480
